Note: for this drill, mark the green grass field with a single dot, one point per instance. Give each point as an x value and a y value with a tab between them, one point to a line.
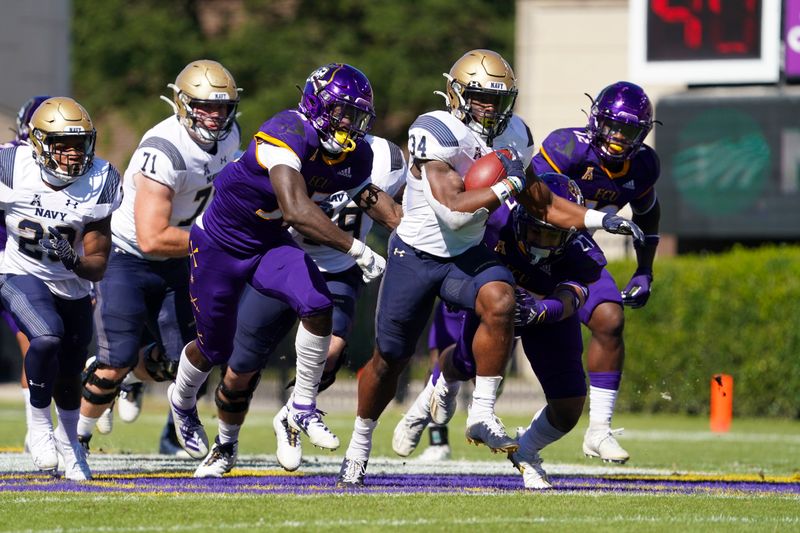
754	449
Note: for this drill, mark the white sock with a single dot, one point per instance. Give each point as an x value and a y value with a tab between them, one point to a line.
539	434
421	408
40	419
601	407
131	379
26	393
67	429
86	425
228	432
312	350
484	396
361	441
188	381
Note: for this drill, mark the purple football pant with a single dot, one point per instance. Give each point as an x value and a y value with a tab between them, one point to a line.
218	278
446	327
553	350
603	290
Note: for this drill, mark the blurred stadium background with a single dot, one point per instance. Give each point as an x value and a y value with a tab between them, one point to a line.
722	75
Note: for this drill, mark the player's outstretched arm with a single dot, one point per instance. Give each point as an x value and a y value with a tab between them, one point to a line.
152	211
637	291
379	206
96	247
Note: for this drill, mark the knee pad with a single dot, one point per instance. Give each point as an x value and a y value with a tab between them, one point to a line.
223	396
158	366
88	377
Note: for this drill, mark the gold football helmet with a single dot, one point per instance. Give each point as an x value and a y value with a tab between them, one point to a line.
205	83
63	137
481	92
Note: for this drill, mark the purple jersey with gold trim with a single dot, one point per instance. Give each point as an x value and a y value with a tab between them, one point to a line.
581	261
244	216
569	152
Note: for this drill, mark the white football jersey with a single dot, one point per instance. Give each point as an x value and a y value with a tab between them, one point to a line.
167	154
440	136
31	207
388	174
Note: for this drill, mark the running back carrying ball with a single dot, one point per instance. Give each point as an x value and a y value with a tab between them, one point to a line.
486	171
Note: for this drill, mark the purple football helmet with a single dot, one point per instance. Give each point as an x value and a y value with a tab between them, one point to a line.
536	238
620	119
24	115
337	99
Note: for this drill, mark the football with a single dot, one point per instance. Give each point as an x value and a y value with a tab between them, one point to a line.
486	171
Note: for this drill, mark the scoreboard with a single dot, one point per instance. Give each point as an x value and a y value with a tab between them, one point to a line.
697	42
730	163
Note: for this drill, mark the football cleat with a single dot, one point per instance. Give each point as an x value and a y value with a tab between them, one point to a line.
490	432
601	443
188	429
436	453
168	443
407	433
309	421
42	445
74	455
351	475
443	401
533	475
106	421
130	401
289	452
220	460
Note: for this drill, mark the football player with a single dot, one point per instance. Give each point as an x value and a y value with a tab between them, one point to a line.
58	198
21	134
555	265
437	248
168	183
295	157
263	320
613	167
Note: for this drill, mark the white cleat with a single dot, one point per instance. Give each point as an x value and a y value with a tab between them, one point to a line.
601	443
106	421
407	434
436	453
129	402
74	455
533	475
42	445
289	452
220	460
491	433
188	429
444	402
310	422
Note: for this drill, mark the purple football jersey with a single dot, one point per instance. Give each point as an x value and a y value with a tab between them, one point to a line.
569	152
581	261
244	216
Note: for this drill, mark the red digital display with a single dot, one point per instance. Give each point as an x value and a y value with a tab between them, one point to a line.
681	30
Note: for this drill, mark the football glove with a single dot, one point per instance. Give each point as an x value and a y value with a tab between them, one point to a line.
372	265
61	248
637	291
529	310
623	226
515	171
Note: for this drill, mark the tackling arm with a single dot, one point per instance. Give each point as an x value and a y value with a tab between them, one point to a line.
379	206
151	213
649	222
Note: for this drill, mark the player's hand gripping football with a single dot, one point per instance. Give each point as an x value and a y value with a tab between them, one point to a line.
515	170
623	226
372	265
61	247
637	291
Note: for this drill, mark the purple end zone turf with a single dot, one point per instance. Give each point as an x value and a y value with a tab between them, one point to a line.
271	483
